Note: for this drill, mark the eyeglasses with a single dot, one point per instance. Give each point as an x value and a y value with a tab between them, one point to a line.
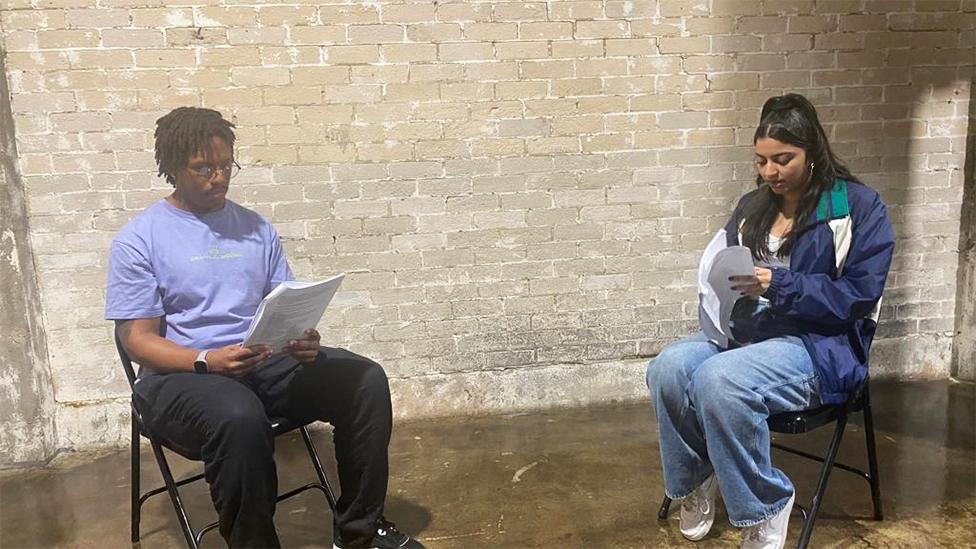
208	172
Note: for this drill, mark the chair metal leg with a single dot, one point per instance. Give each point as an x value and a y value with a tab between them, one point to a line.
136	505
171	486
875	480
662	513
174	495
317	464
828	465
199	537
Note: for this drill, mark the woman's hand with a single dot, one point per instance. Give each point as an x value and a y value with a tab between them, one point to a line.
755	285
304	349
235	360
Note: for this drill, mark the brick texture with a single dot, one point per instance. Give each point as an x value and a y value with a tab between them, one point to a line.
510	185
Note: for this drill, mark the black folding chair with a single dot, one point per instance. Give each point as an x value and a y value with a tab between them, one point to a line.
795	423
278	426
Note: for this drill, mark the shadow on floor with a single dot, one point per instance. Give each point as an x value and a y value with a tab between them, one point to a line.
585	477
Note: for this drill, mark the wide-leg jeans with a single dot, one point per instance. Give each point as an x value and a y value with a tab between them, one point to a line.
712	407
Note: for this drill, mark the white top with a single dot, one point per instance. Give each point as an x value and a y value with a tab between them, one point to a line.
774	260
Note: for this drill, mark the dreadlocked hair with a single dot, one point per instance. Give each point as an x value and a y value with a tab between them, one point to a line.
187	131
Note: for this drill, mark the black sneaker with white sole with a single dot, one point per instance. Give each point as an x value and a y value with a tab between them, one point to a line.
386	537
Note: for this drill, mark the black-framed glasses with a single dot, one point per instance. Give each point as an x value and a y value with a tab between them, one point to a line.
207	172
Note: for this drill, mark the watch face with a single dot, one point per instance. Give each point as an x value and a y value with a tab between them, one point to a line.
200	364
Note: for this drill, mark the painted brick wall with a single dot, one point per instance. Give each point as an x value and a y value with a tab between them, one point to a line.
519	191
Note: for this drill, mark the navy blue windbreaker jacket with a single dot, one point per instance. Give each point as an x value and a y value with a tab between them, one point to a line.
831	294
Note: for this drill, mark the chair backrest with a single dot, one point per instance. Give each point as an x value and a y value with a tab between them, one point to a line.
130	374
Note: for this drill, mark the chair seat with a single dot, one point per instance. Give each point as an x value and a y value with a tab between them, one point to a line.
794	423
281	425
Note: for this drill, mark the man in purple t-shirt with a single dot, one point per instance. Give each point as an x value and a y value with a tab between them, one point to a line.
185	279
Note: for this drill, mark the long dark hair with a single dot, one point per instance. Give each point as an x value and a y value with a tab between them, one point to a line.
790	119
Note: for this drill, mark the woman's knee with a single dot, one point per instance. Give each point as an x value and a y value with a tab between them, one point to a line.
650	376
715	385
667	371
658	375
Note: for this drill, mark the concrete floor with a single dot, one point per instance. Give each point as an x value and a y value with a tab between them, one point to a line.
585	477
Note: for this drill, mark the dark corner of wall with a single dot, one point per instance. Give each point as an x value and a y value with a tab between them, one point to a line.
964	346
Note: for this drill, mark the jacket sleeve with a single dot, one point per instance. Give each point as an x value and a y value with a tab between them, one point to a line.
820	298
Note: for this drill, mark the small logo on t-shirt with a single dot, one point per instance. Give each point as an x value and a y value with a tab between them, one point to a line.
216	254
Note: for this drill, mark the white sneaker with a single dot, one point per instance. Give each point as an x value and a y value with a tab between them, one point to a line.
698	510
770	534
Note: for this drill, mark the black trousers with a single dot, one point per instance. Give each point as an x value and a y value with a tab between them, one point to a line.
225	421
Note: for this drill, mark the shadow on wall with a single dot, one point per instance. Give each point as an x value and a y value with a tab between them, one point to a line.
913	143
964	346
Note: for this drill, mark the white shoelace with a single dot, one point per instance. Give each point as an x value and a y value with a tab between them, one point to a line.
697	499
703	503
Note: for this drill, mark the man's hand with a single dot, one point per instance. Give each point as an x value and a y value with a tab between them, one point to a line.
304	349
755	285
235	360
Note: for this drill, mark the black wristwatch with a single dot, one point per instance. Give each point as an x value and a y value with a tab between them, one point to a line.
200	364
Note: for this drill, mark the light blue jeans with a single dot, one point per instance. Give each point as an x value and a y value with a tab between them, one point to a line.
711	414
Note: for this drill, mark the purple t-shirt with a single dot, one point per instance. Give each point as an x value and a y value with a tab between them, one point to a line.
205	274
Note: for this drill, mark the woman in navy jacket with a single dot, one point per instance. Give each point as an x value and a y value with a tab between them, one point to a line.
821	243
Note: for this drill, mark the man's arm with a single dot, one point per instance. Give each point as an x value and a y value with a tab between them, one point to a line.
141	340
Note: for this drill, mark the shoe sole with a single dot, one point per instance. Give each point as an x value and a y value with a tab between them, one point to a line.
700	532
